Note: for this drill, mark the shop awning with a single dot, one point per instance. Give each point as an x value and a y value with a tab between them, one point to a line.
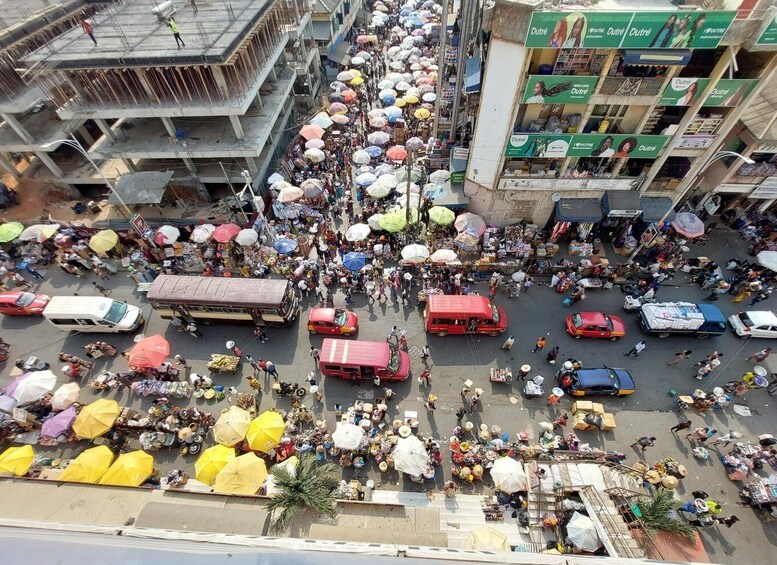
472	82
621	204
578	210
322	31
654	208
141	188
454	198
339	53
657	57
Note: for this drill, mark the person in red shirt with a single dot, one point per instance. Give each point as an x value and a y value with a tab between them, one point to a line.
87	28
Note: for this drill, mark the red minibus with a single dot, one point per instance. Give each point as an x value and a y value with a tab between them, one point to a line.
346	359
463	314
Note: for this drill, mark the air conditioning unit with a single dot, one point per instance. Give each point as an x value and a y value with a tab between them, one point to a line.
163	10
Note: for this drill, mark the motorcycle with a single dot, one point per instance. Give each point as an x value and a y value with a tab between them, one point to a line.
31	364
291	389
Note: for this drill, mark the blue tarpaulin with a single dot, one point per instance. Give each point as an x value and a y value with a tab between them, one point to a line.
472	82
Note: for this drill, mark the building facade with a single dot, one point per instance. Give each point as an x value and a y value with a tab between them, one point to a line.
583	103
334	25
208	104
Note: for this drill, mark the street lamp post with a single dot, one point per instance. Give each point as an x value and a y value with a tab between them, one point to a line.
716	157
75	144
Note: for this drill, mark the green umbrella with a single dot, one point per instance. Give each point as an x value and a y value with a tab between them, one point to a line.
441	215
10	231
414	217
393	222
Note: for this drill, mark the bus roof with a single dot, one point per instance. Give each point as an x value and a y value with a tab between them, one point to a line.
207	290
350	352
471	305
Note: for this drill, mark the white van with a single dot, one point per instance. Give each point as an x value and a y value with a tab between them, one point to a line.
92	314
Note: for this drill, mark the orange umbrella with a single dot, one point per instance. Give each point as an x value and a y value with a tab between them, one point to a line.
226	232
312	131
149	352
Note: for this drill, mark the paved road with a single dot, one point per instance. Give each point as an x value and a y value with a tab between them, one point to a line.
455	359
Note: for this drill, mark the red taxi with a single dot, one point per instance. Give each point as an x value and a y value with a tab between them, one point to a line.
332	321
21	303
596	325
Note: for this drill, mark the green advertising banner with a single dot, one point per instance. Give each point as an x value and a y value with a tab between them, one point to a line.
550	89
769	35
629	30
585	145
727	92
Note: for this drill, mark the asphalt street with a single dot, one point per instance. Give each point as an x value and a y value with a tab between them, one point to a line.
455	359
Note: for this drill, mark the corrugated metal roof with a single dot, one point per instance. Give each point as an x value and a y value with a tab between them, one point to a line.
757	110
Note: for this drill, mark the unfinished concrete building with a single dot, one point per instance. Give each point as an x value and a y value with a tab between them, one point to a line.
224	97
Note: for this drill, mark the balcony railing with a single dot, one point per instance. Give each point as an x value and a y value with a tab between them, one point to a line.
632	86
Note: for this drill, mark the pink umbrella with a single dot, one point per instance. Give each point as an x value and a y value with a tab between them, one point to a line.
362	39
397	153
226	232
11	388
337	108
59	424
471	222
348	95
149	352
340	119
166	235
312	131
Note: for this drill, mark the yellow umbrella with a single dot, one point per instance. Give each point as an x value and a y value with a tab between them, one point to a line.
422	114
211	462
89	466
393	222
265	432
103	241
129	470
400	102
441	215
410	98
17	460
356	81
232	426
487	538
355	72
96	418
242	475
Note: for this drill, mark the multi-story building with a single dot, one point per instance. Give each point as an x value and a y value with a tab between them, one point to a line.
225	96
586	112
334	26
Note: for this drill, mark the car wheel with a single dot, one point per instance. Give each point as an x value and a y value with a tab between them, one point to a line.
614	338
312	332
345	334
442	334
493	334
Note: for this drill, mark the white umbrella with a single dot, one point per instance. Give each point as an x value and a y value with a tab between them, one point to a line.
379	190
202	233
312	187
767	259
357	61
345	76
65	396
384	84
275	177
39	232
384	169
582	533
361	157
374	220
167	235
357	232
508	475
443	256
280	185
404	185
429	97
314	144
315	155
290	194
378	138
415	252
439	177
365	179
247	237
35	386
410	456
389	180
347	436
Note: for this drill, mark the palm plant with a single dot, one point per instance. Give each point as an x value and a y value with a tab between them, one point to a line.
655	514
308	486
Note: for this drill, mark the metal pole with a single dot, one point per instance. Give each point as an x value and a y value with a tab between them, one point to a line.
232	188
407	187
74	143
464	33
440	66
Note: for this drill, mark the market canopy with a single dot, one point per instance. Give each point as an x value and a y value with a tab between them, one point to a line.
129	470
621	203
89	466
242	475
17	460
146	187
654	208
578	210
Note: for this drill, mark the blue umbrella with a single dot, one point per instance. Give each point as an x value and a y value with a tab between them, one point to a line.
393	118
388	100
405	12
354	261
373	151
284	246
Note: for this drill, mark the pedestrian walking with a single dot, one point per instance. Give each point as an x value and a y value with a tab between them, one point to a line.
637	349
680	356
474	401
193	4
772	387
684	425
175	321
460	413
393	334
553	354
561	421
759	356
348	300
271	370
106	292
644	442
30	269
176	32
540	345
236	351
191	327
263	366
315	354
727	521
425	353
508	344
701	435
463	393
253	363
726	438
86	26
181	361
703	372
430	400
425	378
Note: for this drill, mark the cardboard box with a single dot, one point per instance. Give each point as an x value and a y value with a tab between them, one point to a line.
583	406
608	422
597	408
579	423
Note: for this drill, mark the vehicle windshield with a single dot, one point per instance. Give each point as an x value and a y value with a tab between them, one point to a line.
616	382
393	364
608	322
495	313
340	318
116	312
577	320
745	319
25	299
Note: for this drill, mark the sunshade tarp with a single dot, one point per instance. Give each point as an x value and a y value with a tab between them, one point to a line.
141	188
618	202
339	53
654	208
578	210
453	198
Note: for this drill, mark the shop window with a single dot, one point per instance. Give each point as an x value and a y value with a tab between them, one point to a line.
612	114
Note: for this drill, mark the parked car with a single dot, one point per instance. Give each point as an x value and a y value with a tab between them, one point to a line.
20	303
596	325
759	323
332	321
605	381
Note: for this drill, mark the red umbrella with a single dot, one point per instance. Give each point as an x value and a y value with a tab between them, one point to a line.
226	232
348	95
312	131
397	153
149	352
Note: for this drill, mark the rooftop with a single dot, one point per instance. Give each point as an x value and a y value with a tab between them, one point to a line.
18	20
130	34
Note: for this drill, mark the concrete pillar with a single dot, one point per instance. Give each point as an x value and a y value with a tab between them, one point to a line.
196	176
143	80
17	127
252	168
169	126
221	82
129	164
237	126
106	129
86	135
49	162
273	75
7	165
258	100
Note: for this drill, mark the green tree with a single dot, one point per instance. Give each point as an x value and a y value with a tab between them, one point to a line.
308	486
656	510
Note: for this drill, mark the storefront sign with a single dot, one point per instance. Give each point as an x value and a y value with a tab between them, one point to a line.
769	35
549	89
727	92
585	145
696	141
767	190
139	224
633	30
730	92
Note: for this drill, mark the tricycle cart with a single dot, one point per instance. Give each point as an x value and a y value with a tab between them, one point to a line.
501	375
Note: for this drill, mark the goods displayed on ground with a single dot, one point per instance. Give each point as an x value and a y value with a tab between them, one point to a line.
223	363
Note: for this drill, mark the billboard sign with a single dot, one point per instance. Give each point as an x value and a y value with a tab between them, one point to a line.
555	89
727	92
585	145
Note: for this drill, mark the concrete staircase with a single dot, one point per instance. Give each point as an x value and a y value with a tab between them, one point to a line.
612	528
